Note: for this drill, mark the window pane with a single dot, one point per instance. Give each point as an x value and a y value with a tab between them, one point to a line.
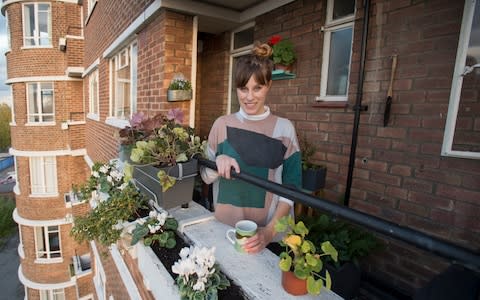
32	102
39	234
29	12
133	64
467	128
43	28
36	175
339	61
50	175
243	38
343	8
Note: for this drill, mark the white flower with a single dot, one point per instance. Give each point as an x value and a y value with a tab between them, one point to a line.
123	185
104	169
116	175
152	214
140	221
95	174
199	286
109	178
152	228
162	218
184	252
183	267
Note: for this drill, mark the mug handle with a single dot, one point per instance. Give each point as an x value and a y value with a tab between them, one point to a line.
227	235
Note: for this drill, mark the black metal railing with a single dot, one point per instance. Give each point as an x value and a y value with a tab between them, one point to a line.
456	253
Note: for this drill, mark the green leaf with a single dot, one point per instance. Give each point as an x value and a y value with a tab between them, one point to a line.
300	229
328	280
285	263
314	286
170	224
170	243
311	260
327	248
281	225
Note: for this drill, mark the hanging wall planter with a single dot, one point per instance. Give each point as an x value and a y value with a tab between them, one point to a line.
179	95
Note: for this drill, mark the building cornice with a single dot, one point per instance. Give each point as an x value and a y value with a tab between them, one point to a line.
43	286
39	223
63	152
40	78
6	3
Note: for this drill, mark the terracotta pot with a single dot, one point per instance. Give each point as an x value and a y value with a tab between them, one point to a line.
286	68
292	285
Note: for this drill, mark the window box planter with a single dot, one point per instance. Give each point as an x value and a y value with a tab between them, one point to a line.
179	95
179	194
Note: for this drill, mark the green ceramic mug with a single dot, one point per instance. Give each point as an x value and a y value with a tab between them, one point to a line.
243	230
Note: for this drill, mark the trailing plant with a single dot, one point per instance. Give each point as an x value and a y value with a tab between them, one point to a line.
104	222
199	275
105	178
157	227
180	83
301	256
351	242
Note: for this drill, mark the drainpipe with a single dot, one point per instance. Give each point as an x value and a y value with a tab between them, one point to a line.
358	103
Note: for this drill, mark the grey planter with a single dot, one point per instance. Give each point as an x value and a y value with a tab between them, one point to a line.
314	179
179	95
181	193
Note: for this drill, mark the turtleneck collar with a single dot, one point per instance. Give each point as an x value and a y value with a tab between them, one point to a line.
255	117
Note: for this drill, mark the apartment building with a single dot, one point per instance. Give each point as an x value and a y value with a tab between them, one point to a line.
79	69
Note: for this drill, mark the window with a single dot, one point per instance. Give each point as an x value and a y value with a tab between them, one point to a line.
91	5
337	50
124	79
7	28
37	28
47	242
93	93
12	106
55	294
40	102
241	44
43	175
462	128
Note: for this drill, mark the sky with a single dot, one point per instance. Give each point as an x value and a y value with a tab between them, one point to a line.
4	89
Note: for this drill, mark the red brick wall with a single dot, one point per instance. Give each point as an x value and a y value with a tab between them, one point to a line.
399	173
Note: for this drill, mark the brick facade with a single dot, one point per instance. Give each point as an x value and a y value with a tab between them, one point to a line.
399	174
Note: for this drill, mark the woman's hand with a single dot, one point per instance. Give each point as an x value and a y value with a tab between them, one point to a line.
259	241
225	164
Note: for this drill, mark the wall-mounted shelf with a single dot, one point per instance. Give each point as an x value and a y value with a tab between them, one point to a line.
282	74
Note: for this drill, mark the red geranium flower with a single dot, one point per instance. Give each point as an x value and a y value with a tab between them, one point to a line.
274	39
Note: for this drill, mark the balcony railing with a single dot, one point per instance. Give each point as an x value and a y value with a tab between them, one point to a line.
448	250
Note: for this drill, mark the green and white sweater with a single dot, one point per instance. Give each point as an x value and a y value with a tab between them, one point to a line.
263	145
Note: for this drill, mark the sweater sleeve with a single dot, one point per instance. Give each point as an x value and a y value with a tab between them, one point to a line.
208	175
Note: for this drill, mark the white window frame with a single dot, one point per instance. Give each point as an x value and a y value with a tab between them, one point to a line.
93	95
7	27
40	114
55	294
329	27
235	53
99	277
90	6
36	37
12	107
46	254
38	178
117	115
457	82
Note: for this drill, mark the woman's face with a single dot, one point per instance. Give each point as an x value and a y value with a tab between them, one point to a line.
252	96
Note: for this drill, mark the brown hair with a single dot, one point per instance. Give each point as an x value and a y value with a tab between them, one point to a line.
258	64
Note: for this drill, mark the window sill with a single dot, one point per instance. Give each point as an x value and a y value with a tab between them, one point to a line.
43	195
330	104
49	260
93	116
40	124
116	122
36	47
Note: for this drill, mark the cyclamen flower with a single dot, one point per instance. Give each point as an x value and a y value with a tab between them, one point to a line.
274	40
95	174
104	169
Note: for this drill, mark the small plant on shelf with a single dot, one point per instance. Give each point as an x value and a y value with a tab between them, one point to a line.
301	257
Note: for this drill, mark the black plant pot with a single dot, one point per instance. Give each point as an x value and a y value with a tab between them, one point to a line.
346	280
314	179
180	194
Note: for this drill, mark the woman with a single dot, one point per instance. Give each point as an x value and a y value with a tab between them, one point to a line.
257	142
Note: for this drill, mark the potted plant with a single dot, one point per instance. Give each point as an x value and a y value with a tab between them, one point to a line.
313	175
283	52
179	89
140	128
157	227
300	262
352	244
199	277
166	159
